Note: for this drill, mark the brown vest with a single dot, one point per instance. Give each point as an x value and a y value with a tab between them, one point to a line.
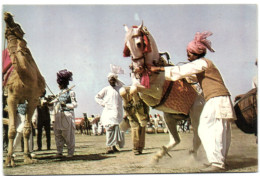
211	82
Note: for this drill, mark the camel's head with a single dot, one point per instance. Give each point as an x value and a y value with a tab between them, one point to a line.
8	17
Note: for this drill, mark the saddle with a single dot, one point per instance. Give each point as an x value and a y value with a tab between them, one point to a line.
246	111
7	66
179	95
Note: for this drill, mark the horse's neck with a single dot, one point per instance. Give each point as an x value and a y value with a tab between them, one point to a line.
152	56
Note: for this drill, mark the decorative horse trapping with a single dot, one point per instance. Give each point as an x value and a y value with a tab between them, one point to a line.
181	96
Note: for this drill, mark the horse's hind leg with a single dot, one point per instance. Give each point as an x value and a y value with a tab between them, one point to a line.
171	123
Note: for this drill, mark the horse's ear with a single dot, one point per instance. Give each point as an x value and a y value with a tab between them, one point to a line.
126	28
141	26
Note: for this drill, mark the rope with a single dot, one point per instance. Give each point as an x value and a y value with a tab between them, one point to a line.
49	88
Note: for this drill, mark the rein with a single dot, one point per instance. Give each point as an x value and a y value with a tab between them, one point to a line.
138	58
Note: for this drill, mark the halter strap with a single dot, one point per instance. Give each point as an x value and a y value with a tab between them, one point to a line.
137	35
138	58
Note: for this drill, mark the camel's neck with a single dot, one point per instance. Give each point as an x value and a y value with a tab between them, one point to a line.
23	63
14	29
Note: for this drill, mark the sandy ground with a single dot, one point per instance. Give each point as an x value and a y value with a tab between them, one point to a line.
90	157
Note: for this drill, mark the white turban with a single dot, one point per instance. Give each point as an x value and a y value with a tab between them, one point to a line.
115	70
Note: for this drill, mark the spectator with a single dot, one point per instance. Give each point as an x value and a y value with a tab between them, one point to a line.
64	123
112	114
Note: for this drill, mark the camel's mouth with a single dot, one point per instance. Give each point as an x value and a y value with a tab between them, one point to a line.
8	16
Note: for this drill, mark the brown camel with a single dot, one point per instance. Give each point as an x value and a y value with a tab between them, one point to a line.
25	84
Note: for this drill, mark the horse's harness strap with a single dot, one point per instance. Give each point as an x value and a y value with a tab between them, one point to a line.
138	58
143	56
137	35
165	96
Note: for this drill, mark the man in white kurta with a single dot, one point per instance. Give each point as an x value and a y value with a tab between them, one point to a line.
112	114
217	115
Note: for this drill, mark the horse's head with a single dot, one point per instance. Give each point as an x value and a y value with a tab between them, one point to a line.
8	17
140	45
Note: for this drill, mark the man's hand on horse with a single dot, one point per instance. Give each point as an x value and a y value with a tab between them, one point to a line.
155	69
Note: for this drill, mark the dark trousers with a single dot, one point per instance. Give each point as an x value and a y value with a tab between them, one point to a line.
46	125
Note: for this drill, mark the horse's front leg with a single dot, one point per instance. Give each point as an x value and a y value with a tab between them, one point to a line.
124	93
171	124
12	108
28	129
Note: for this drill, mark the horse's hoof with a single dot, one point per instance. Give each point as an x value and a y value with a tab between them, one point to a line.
155	160
193	153
122	91
133	90
165	150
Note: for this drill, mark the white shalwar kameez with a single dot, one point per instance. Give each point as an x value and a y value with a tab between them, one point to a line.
112	114
64	124
215	120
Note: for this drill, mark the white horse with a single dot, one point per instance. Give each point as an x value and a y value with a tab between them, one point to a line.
177	100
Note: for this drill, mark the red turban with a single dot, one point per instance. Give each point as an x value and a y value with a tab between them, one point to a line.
200	44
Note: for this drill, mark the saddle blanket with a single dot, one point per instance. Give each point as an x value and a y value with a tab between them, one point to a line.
181	97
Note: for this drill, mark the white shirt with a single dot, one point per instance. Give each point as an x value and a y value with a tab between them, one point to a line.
174	73
111	100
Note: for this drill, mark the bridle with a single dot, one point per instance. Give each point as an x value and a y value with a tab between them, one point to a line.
143	56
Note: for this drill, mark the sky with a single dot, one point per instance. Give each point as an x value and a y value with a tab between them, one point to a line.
86	38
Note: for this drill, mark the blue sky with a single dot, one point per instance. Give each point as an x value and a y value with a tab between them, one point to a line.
86	39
